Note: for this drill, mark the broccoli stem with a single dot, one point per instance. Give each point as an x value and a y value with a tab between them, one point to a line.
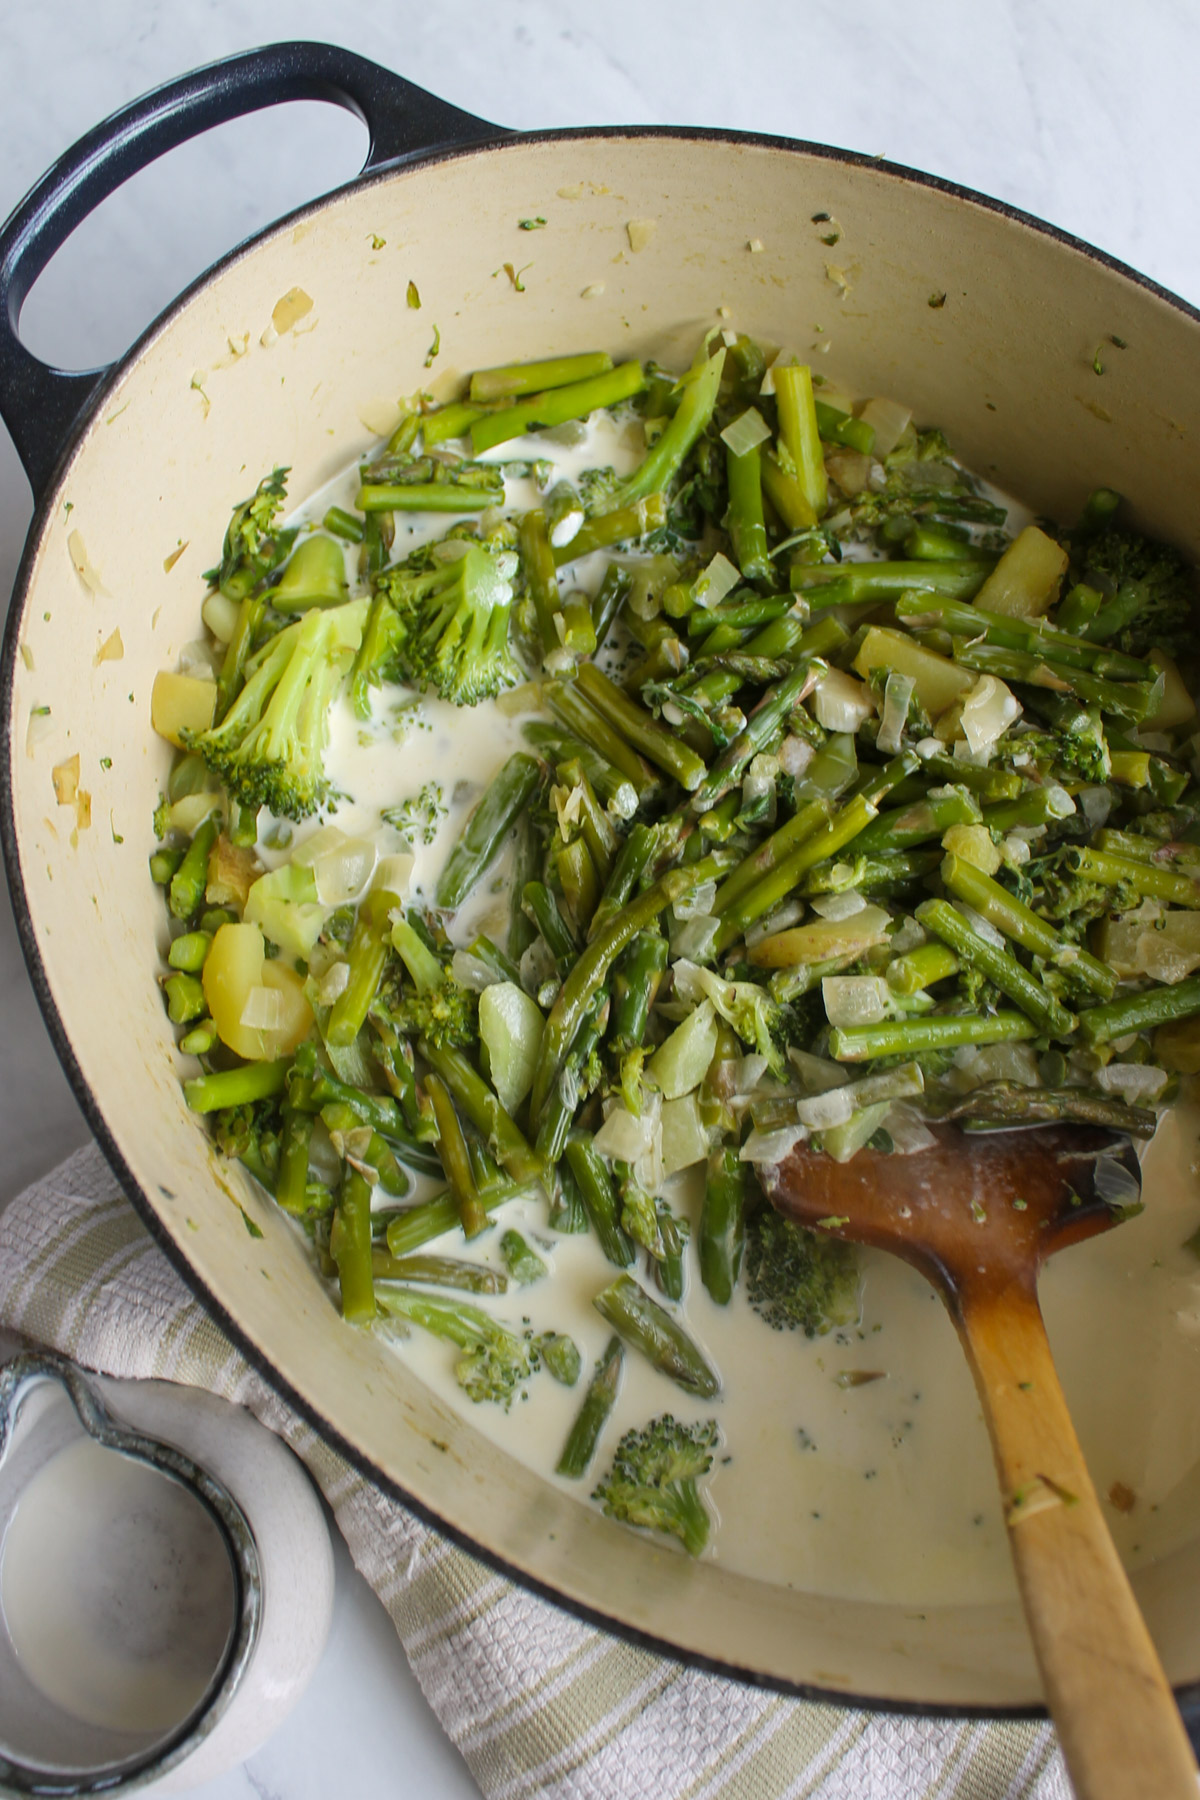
426	497
695	409
637	978
185	999
593	1414
1000	967
867	583
591	969
722	1234
1140	1012
508	380
762	727
744	521
437	1271
800	433
648	1328
236	1087
471	1092
1146	879
921	968
350	1247
772	889
640	728
452	1148
600	1199
911	1037
1019	922
574	400
486	829
367	957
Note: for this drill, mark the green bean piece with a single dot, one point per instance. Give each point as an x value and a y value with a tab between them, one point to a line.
191	877
1148	880
557	746
771	889
563	1102
989	784
452	421
523	1263
600	1199
367	957
537	560
632	860
648	1328
393	1177
593	965
555	406
902	827
636	980
624	524
350	1247
786	495
233	663
526	866
640	728
1082	971
801	826
910	1037
665	459
185	999
236	1087
921	968
567	1211
1008	1103
471	1092
487	828
1125	699
543	909
509	380
611	596
291	1183
566	699
163	864
722	1234
560	1354
200	1040
426	496
999	965
394	1056
800	433
744	520
189	951
494	960
837	427
452	1148
437	1271
867	583
431	1219
1140	1012
593	1415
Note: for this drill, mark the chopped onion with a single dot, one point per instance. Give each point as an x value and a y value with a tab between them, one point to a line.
897	693
750	1071
838	906
1134	1082
910	936
888	420
841	703
987	712
537	966
341	865
982	926
471	973
623	1137
746	432
1096	804
712	584
972	844
527	697
772	1146
683	1138
790	913
263	1010
333	983
220	614
850	469
1115	1184
821	1111
758	787
695	938
908	1130
855	999
196	658
901	1083
1163	959
698	902
1014	851
816	1072
393	873
795	754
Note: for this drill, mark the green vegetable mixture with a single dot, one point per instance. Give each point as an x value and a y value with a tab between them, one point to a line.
843	809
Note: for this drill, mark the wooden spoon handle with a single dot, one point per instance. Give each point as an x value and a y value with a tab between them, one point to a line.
1120	1730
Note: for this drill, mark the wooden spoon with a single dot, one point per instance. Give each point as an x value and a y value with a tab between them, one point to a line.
978	1213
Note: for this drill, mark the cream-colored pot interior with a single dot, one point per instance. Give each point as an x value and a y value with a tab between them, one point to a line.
295	352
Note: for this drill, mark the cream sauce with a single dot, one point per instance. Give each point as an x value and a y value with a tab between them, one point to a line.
117	1590
883	1490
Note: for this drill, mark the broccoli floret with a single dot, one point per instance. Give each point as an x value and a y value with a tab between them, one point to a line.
799	1280
653	1479
269	749
446	1017
253	546
453	623
1149	590
495	1362
250	1135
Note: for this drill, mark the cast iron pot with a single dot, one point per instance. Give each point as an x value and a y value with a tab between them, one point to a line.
290	350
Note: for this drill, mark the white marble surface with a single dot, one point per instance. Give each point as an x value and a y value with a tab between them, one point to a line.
1083	112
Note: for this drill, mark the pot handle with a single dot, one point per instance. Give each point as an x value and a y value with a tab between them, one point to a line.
40	404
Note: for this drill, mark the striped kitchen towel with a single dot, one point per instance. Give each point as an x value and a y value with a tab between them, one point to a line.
539	1703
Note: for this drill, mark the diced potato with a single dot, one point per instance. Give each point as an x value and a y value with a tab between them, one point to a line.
938	681
840	703
510	1032
681	1063
1025	582
180	703
237	966
1167	948
1176	706
973	843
